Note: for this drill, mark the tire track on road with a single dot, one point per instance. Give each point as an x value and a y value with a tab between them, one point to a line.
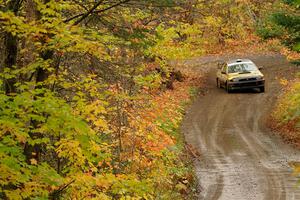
240	161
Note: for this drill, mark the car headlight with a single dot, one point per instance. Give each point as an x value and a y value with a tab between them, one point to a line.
234	80
260	78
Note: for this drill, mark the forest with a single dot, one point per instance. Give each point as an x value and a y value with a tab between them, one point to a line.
90	106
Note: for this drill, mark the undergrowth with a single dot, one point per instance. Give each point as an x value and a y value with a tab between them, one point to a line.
286	116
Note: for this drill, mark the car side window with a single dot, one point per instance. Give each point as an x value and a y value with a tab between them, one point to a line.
223	69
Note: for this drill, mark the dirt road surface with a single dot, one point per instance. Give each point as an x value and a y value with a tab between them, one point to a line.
240	158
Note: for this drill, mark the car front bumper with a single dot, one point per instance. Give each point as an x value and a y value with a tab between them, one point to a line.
246	84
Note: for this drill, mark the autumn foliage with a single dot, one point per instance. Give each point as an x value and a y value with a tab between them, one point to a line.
83	114
286	116
90	107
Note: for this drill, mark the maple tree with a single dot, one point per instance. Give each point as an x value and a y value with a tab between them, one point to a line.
75	81
86	109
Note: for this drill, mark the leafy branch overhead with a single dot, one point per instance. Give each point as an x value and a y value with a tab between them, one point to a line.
76	77
90	105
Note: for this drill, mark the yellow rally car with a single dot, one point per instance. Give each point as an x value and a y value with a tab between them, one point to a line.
239	74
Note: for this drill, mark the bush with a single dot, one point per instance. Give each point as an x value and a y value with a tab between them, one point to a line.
287	111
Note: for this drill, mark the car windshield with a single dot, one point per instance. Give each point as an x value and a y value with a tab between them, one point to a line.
241	68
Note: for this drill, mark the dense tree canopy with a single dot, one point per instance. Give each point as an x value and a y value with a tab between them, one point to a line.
283	23
74	75
82	114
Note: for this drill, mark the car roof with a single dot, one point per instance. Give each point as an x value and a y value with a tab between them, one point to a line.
235	61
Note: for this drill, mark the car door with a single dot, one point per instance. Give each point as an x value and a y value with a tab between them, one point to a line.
223	74
219	70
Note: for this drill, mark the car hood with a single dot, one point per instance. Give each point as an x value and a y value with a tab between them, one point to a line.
246	75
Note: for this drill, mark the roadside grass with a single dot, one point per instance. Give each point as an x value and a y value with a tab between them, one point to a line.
286	115
194	91
176	157
285	118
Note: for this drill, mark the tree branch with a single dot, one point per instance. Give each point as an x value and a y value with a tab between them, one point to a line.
93	10
112	6
89	12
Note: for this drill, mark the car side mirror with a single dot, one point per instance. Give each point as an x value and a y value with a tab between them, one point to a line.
260	67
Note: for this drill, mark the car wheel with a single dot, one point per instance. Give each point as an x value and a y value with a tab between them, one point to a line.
218	83
228	88
262	89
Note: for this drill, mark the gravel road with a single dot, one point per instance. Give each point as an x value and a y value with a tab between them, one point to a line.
240	158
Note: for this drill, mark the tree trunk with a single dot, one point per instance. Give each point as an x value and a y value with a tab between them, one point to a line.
41	74
10	60
11	49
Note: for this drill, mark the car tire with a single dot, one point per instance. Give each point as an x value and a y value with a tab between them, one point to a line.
218	83
262	89
227	88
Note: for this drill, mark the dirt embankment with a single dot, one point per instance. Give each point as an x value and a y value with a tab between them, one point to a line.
241	159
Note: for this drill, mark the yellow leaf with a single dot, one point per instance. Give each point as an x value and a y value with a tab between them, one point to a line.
283	82
33	161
